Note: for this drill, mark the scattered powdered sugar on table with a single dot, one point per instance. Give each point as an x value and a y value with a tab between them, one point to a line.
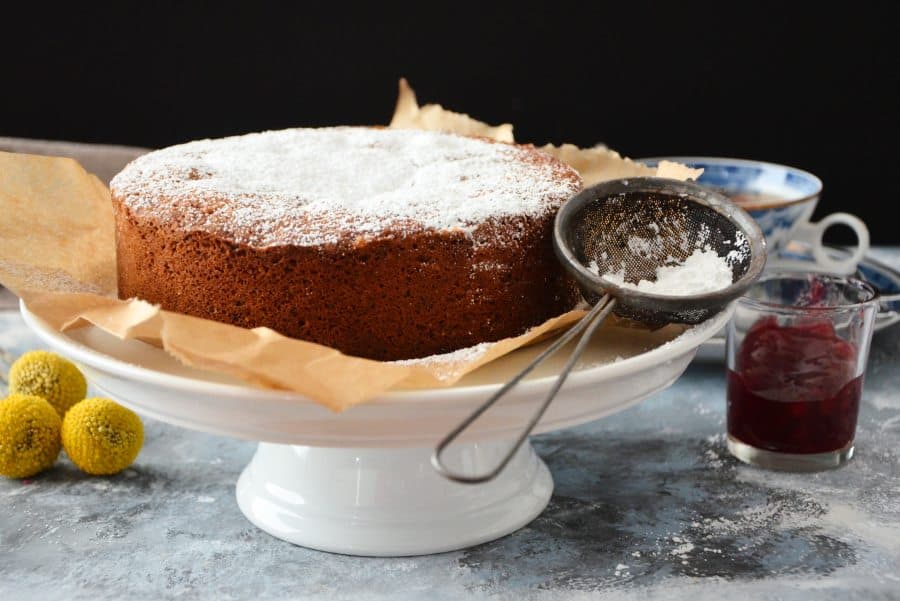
317	186
703	271
684	547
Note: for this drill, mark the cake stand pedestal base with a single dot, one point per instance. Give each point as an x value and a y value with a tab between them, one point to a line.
389	502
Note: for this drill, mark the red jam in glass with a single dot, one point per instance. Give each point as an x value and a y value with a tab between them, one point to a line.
793	389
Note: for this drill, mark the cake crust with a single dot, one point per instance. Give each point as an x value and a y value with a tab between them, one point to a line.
400	285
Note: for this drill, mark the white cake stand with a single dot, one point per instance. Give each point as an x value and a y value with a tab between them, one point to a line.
360	482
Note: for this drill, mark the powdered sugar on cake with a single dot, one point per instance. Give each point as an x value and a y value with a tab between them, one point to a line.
317	186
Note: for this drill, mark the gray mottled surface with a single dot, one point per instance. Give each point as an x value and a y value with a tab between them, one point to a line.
648	505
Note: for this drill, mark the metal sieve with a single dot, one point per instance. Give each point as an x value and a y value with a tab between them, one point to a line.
631	228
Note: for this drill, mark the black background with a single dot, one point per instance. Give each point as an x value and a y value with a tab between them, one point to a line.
794	83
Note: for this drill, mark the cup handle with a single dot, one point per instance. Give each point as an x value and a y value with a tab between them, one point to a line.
812	233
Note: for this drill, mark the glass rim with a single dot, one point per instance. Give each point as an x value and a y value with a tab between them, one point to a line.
784	275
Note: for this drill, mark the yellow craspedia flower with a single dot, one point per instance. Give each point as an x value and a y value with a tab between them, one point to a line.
49	376
29	435
101	437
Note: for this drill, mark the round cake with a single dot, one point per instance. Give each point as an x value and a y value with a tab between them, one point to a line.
386	244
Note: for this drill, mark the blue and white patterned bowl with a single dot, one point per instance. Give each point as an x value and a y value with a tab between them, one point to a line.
797	190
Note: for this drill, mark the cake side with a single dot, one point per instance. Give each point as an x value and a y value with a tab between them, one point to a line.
400	298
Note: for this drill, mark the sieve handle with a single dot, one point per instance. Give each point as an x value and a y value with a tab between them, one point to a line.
589	324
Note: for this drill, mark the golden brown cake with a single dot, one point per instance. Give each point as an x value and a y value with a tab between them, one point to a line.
387	244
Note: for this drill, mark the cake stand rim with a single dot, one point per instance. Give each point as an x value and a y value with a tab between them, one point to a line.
688	341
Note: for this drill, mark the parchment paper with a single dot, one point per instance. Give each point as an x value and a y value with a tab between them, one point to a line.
57	253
